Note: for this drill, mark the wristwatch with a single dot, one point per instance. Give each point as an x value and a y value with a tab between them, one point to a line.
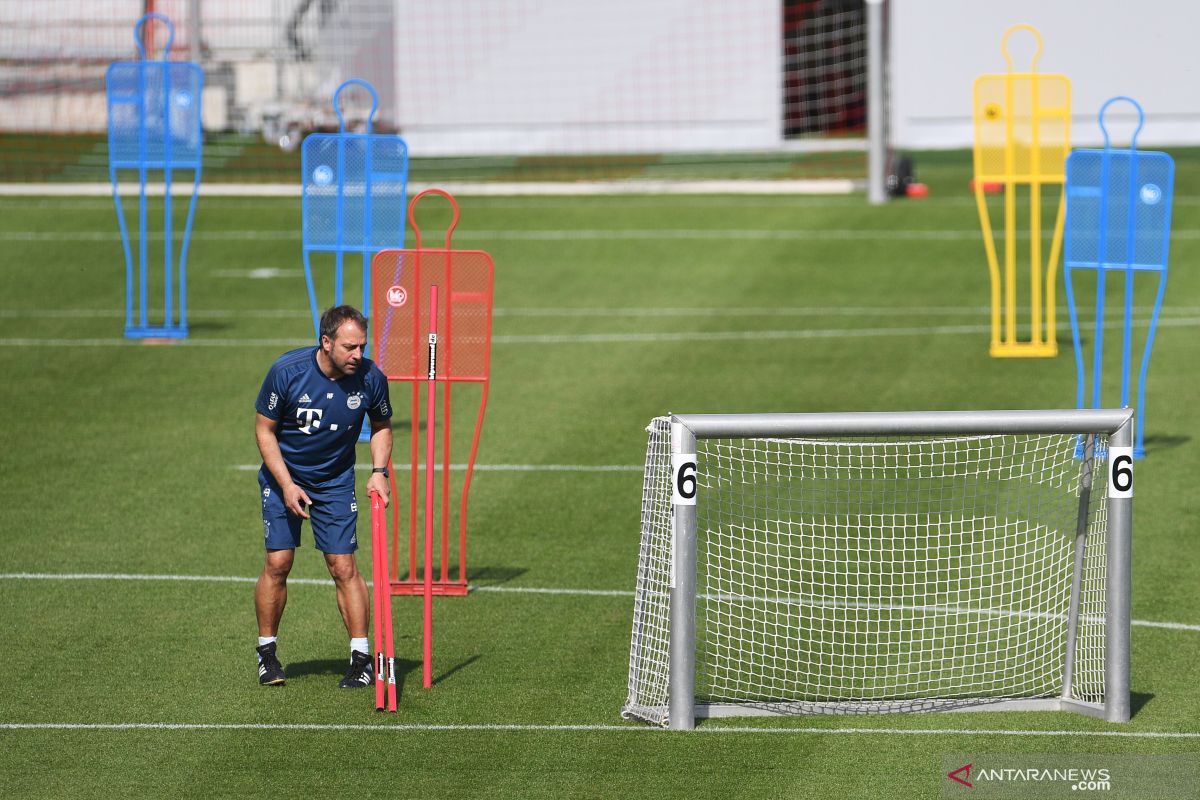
381	471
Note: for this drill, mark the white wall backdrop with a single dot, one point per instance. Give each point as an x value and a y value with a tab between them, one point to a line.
1147	49
589	76
476	76
569	76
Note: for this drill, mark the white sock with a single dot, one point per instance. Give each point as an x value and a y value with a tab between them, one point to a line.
360	645
265	640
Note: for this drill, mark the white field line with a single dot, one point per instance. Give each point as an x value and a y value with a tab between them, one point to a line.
808	601
102	200
385	727
105	203
101	576
598	338
537	193
113	313
735	336
590	338
829	186
189	342
257	273
568	312
571	312
503	467
622	234
117	576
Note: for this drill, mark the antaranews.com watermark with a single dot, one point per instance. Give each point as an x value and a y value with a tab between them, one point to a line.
979	776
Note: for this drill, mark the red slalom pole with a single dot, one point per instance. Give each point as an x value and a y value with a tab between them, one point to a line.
430	425
378	587
385	649
387	622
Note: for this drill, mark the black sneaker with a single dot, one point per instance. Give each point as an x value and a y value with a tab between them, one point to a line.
270	671
360	673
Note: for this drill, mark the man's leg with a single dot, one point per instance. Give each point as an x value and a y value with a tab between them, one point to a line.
270	593
281	537
334	520
352	598
352	602
270	597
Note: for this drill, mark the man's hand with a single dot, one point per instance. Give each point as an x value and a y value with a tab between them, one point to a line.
378	483
295	499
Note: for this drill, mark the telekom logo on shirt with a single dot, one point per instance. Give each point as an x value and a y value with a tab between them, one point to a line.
309	418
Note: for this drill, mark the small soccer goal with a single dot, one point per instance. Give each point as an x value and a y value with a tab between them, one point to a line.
878	563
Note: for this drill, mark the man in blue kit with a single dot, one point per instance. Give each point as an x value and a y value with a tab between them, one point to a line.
310	412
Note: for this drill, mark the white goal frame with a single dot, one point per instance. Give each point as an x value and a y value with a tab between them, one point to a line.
680	617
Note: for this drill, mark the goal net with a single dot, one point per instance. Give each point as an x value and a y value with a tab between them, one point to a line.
878	563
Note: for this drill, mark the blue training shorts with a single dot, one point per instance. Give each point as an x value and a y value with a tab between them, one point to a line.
333	514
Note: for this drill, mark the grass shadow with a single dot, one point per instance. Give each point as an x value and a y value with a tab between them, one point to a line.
323	666
1156	443
406	668
494	576
207	326
439	678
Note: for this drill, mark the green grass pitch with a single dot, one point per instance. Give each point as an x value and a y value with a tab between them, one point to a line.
121	459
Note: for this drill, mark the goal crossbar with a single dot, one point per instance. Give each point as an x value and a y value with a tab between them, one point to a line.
869	423
1089	596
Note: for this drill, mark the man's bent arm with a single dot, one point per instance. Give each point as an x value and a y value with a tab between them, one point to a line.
268	446
381	456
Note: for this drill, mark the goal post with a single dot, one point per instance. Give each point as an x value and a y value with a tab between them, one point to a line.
869	563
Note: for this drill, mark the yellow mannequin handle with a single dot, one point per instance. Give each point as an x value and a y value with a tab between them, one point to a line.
1004	46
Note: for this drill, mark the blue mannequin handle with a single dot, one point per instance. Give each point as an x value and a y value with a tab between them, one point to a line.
374	102
137	33
1137	130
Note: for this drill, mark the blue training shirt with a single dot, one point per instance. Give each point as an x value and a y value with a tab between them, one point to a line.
320	418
